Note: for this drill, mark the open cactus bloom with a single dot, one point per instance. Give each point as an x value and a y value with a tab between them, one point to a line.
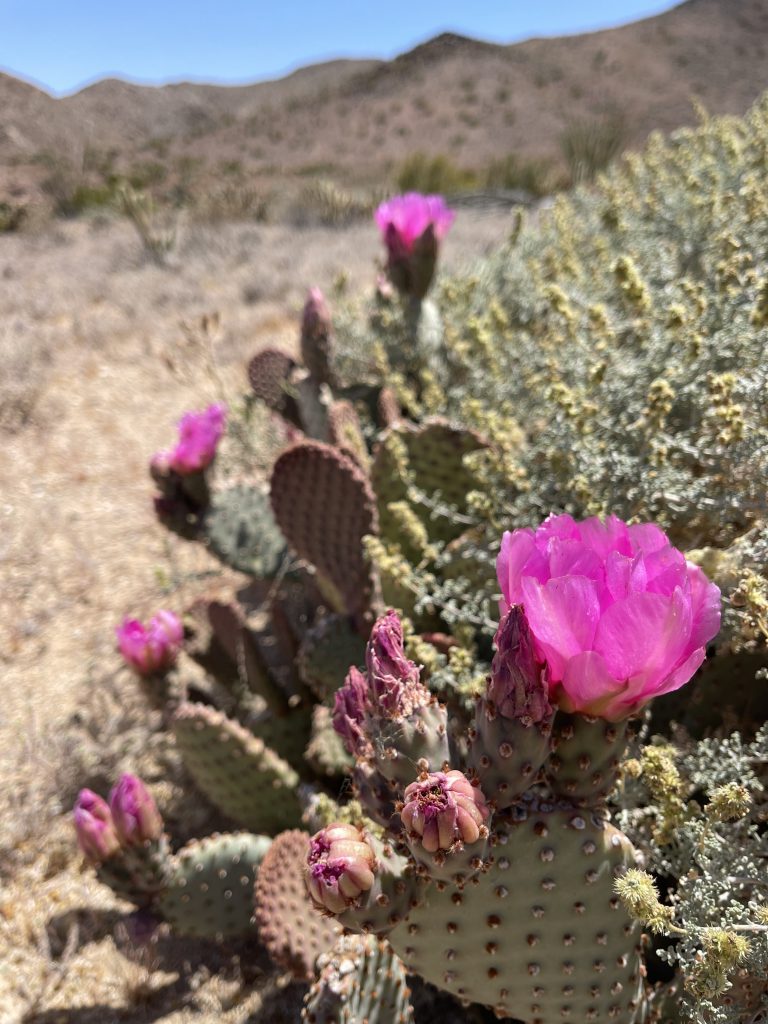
617	614
340	867
443	810
95	827
153	648
412	226
134	811
199	436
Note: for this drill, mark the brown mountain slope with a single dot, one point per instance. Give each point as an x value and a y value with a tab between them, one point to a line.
476	101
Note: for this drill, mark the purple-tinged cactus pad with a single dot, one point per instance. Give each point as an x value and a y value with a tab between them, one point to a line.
294	932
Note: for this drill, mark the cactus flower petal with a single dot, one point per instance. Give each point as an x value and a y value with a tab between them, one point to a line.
617	613
442	810
152	648
199	435
340	867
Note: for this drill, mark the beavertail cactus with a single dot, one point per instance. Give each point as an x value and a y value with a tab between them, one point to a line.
317	338
497	866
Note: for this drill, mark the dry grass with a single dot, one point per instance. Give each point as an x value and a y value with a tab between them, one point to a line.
103	350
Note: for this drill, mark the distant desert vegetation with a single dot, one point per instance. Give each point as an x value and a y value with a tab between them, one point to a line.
322	143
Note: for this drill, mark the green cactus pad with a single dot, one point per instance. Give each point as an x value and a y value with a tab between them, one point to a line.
286	734
327	652
241	531
294	932
588	750
209	895
325	753
541	935
138	873
429	458
360	979
243	777
324	505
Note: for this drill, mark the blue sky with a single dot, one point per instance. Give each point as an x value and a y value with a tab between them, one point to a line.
63	44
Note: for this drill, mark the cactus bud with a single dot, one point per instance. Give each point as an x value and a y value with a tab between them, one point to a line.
394	680
340	867
134	811
95	828
199	436
316	331
349	712
443	811
516	686
153	648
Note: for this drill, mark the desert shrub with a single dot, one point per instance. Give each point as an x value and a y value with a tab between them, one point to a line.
231	201
512	172
423	173
325	203
12	216
624	333
590	145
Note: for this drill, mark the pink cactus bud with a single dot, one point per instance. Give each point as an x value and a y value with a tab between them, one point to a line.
443	809
134	811
349	712
395	689
340	867
96	834
516	686
617	613
316	319
153	648
199	435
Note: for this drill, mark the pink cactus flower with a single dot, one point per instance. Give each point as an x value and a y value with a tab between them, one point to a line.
199	435
349	709
617	614
134	811
340	867
153	648
96	834
404	219
443	809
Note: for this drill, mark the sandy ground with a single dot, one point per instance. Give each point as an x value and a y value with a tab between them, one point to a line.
101	351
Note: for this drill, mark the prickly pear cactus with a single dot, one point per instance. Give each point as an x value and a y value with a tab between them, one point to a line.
238	773
294	932
241	531
269	374
326	653
324	505
209	892
360	979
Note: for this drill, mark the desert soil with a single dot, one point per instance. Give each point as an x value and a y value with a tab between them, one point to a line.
101	351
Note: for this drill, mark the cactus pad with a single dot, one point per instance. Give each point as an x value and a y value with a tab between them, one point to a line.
360	979
325	752
241	531
269	373
535	937
346	433
209	895
292	929
243	777
327	652
429	458
324	505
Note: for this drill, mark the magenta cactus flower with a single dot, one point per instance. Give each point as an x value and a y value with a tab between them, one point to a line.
395	689
442	810
96	833
134	811
517	686
153	648
403	219
617	614
199	436
412	227
340	867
